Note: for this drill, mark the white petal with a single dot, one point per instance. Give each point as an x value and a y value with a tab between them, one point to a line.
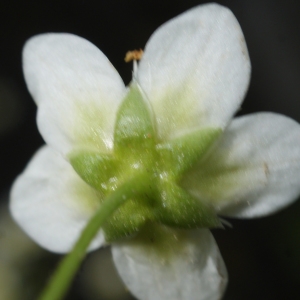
52	204
182	265
76	88
195	70
254	170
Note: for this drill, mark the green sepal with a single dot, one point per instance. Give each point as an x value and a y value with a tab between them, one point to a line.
128	219
177	208
133	128
94	168
180	154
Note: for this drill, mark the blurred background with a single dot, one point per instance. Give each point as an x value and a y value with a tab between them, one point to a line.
263	255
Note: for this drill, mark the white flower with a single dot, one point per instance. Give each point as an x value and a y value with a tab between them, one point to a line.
194	74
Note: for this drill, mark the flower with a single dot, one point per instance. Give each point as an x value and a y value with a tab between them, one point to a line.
174	122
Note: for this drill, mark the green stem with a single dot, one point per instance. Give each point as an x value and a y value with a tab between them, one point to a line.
62	278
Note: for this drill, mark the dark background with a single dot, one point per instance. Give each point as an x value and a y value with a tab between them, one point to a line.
263	255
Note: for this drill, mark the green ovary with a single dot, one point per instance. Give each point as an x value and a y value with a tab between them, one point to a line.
138	152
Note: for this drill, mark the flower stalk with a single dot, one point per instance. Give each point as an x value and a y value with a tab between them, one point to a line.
62	278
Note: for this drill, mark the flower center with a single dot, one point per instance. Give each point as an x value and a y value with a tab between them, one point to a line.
138	152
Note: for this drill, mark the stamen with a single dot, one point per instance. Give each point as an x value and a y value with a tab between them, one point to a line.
133	55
